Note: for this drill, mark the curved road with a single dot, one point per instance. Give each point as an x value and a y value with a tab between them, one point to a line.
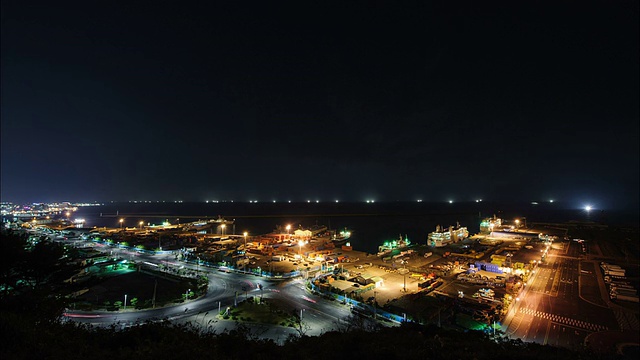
225	288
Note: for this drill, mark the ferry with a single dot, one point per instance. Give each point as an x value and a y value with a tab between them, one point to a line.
443	237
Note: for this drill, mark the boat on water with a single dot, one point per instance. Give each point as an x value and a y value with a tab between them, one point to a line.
389	246
445	236
340	238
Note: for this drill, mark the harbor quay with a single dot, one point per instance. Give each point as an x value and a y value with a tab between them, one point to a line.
400	278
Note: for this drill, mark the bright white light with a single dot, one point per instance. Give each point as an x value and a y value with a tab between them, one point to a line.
551	200
588	208
308	201
289	201
274	201
450	201
337	201
317	201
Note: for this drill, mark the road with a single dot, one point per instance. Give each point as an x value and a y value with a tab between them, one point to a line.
226	289
551	310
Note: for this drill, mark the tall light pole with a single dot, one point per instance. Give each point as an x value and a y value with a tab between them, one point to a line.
155	287
375	311
222	228
300	252
288	228
125	302
141	223
404	276
121	221
245	243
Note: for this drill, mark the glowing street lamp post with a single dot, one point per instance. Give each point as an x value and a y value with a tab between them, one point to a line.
245	243
300	243
222	228
141	223
375	311
121	221
288	228
125	302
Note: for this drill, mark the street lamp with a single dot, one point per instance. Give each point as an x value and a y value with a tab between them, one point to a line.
222	227
186	295
300	243
288	228
121	221
125	302
141	223
375	311
245	243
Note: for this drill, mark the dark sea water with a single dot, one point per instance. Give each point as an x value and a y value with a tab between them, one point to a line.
371	223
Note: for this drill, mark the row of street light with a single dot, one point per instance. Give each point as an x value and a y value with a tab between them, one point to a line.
141	223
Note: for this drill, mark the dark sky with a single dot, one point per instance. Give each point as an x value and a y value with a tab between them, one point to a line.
190	101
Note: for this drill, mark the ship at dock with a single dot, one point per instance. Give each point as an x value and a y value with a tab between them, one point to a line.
445	236
340	238
389	246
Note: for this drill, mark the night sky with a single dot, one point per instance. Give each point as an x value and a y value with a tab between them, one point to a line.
133	100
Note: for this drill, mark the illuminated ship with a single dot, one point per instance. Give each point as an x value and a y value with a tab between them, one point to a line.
442	237
389	246
340	238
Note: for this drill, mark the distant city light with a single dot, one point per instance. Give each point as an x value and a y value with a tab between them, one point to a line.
588	208
551	200
419	200
337	201
450	201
